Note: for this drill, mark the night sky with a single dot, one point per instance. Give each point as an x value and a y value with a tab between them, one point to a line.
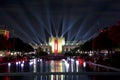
34	21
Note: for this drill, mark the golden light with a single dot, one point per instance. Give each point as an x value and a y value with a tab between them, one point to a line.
56	44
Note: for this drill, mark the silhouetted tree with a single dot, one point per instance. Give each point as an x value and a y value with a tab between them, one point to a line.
87	46
102	41
114	34
15	44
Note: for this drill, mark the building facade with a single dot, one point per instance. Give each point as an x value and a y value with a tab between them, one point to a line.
57	45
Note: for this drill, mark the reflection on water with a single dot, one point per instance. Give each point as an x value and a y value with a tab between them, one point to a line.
39	65
56	66
46	66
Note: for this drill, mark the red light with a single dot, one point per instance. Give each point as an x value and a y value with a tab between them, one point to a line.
80	61
56	46
6	34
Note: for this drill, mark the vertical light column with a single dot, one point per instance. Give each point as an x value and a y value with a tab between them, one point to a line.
56	46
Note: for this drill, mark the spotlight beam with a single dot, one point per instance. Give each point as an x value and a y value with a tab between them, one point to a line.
48	28
69	24
16	26
83	27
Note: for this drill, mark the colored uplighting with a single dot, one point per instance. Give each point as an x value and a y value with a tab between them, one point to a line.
56	44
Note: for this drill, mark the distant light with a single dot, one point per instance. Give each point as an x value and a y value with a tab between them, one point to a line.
22	65
1	55
48	52
15	53
23	62
34	61
63	59
72	60
90	54
11	53
40	59
30	63
77	62
9	64
16	63
19	62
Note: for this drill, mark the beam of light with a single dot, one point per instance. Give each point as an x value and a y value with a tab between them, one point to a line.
16	28
63	28
90	31
64	19
84	26
93	35
56	24
73	31
35	42
78	35
59	25
103	8
40	30
28	14
72	36
48	28
23	38
69	25
91	21
42	35
53	26
34	32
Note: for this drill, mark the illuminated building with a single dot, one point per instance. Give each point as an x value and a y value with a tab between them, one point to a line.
57	45
4	34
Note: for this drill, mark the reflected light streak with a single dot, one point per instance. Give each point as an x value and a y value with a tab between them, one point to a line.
67	66
9	64
84	64
22	65
30	63
77	65
16	63
35	66
57	66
